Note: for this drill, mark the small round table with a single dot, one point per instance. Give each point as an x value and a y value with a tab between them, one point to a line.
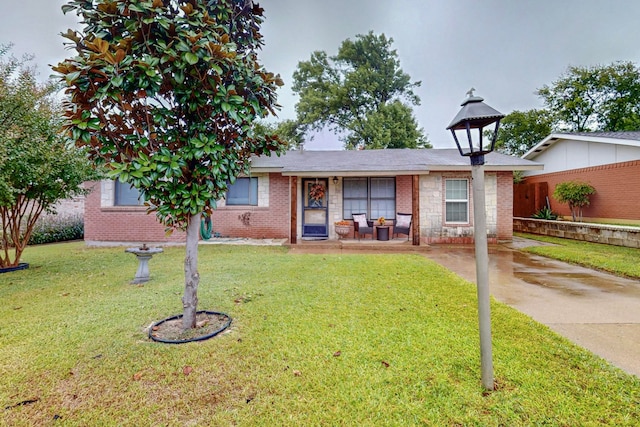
382	232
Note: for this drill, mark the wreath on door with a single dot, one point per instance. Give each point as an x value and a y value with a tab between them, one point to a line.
316	194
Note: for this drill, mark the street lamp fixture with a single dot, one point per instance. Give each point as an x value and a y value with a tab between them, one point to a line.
469	126
470	122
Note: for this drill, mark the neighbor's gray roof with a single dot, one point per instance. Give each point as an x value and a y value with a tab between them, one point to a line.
631	138
381	162
632	135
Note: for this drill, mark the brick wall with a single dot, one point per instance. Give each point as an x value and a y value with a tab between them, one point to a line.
504	206
499	209
121	223
68	207
404	186
617	190
268	220
107	223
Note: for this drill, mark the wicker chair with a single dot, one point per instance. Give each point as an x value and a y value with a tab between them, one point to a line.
402	224
358	225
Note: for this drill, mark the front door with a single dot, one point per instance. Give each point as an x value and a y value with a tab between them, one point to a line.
314	208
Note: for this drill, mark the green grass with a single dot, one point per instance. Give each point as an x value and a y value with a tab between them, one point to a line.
618	260
73	337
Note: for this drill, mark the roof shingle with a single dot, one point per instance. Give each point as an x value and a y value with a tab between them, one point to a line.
388	161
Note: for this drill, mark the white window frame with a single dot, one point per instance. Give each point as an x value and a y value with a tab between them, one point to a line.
456	201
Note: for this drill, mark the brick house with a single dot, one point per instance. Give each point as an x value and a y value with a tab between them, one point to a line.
608	161
275	199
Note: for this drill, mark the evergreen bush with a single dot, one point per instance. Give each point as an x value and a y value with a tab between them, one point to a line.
51	229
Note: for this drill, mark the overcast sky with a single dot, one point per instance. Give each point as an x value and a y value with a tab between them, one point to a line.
505	49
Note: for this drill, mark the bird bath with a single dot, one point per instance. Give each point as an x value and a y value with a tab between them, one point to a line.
144	254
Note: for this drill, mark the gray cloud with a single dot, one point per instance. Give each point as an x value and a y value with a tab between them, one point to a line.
505	49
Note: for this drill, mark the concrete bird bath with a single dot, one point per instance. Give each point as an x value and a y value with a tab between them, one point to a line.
144	254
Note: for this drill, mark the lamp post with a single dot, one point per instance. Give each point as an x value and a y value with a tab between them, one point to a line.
474	116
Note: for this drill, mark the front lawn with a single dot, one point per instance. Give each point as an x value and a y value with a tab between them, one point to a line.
366	340
618	260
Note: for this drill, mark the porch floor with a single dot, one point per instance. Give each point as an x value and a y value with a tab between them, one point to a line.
372	245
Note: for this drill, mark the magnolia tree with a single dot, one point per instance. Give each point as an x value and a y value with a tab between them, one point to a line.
164	93
37	169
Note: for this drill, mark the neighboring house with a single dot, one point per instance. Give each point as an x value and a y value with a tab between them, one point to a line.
68	208
275	200
608	161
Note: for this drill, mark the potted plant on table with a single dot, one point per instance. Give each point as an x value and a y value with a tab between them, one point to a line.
381	221
342	228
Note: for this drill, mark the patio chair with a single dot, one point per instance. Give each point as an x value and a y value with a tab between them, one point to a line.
402	224
361	225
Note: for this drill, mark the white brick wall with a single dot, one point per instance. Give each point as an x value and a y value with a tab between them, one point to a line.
107	193
263	189
335	206
432	222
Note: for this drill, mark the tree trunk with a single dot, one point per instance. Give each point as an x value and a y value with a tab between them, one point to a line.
573	208
18	222
191	275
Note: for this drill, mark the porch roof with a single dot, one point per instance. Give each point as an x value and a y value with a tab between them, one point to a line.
382	162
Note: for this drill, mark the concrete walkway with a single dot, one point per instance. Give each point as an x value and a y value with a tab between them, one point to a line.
598	311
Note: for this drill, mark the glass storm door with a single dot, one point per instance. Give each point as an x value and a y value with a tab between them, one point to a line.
314	208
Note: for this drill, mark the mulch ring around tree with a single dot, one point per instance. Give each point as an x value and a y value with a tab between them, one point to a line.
208	325
20	266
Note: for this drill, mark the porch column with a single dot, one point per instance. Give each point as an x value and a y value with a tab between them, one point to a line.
293	191
415	209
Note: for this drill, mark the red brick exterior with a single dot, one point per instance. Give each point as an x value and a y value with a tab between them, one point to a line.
133	224
258	222
404	187
122	223
617	188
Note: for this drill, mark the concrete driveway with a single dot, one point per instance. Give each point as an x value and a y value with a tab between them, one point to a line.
598	311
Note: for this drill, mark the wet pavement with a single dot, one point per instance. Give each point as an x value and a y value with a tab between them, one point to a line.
598	311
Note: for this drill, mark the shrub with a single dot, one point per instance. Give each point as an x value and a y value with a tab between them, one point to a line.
576	194
545	213
50	229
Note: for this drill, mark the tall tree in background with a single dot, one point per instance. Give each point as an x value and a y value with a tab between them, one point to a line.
361	94
599	98
37	168
520	130
288	131
164	92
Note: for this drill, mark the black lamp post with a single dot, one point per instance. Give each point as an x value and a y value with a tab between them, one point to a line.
474	116
471	121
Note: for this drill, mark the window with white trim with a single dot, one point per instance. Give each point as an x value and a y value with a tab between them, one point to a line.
375	196
457	201
243	192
